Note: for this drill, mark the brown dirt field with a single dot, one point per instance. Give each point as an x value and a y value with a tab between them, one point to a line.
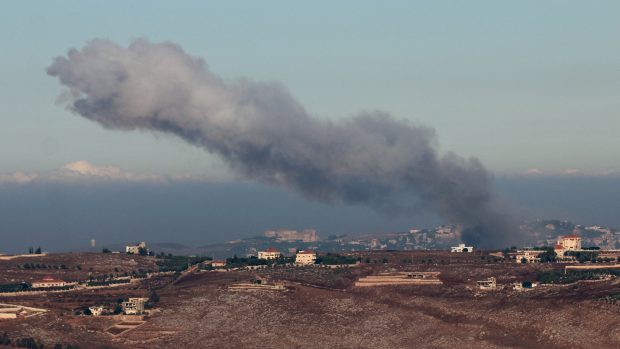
15	271
321	310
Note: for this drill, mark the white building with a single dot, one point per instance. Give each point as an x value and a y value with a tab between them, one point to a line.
570	242
217	263
134	306
567	243
96	310
305	257
462	248
48	282
135	249
488	284
270	253
530	256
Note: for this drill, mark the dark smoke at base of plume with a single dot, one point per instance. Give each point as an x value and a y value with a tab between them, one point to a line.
264	134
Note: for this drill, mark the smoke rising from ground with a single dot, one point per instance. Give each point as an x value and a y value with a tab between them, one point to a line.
264	134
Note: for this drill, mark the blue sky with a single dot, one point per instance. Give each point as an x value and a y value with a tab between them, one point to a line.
529	87
521	85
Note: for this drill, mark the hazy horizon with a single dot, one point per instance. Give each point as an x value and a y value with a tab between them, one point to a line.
61	217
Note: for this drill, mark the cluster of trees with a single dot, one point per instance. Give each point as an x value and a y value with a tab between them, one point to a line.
32	250
179	263
336	259
31	343
583	256
559	277
237	262
106	282
14	287
162	255
42	266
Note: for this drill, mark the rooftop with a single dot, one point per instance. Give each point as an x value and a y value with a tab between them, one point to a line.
48	280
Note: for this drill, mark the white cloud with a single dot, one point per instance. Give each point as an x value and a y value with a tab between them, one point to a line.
533	171
18	177
84	169
570	171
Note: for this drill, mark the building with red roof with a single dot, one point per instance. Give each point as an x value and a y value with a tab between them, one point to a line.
270	253
48	282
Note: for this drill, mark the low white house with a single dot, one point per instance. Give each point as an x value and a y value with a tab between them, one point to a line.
488	284
305	257
217	263
528	256
48	282
462	248
270	253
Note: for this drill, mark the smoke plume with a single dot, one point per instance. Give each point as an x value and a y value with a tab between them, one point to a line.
264	134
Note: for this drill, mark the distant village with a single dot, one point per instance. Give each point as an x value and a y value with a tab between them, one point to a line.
558	242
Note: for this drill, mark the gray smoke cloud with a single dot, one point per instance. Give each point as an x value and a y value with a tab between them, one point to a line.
264	134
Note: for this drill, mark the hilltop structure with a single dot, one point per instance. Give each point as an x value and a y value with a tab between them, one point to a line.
135	249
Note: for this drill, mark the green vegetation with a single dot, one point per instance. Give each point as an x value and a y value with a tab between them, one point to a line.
41	266
559	277
237	262
583	256
548	256
13	288
336	259
107	282
178	263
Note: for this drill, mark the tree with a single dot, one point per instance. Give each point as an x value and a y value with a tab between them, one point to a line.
105	250
4	339
153	297
31	250
38	250
142	251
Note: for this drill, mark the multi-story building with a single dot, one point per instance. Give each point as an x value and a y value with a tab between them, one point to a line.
567	243
134	306
570	242
270	253
305	257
